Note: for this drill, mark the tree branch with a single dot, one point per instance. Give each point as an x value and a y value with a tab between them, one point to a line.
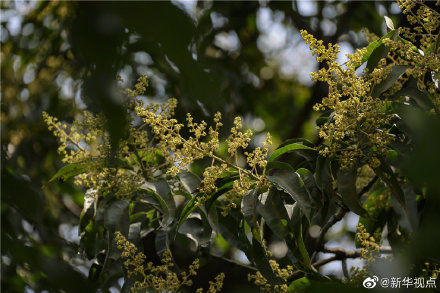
339	254
338	216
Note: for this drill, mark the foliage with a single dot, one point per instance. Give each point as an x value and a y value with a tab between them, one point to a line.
154	183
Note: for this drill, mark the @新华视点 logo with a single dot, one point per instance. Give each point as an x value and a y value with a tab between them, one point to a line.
370	283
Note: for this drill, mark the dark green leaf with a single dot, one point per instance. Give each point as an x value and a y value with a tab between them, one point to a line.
188	209
116	216
310	185
393	76
271	208
163	194
279	165
223	185
347	190
412	91
249	208
162	241
189	181
292	184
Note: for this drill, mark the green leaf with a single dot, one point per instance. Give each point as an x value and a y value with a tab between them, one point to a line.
301	247
347	190
116	216
292	184
188	209
407	216
88	209
310	185
290	147
371	47
271	208
299	286
386	174
323	176
249	207
197	229
163	194
190	181
412	91
393	76
279	165
72	170
162	241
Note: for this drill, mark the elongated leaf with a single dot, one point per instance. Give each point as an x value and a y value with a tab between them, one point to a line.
347	190
371	47
88	209
311	186
407	216
116	216
271	208
162	241
420	97
163	194
305	258
299	286
197	229
390	80
189	181
188	209
72	170
229	228
290	147
323	176
279	165
249	207
386	174
292	184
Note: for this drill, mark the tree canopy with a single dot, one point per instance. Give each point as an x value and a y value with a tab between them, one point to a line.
193	146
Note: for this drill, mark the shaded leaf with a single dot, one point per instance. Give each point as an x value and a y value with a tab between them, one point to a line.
396	72
347	190
292	184
162	241
162	192
189	181
271	208
249	207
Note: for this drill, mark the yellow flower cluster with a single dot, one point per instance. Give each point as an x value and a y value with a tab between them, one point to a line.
203	142
160	278
423	58
356	129
85	142
369	246
265	286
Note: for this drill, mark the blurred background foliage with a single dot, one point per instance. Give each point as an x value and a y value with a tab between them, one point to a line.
239	58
